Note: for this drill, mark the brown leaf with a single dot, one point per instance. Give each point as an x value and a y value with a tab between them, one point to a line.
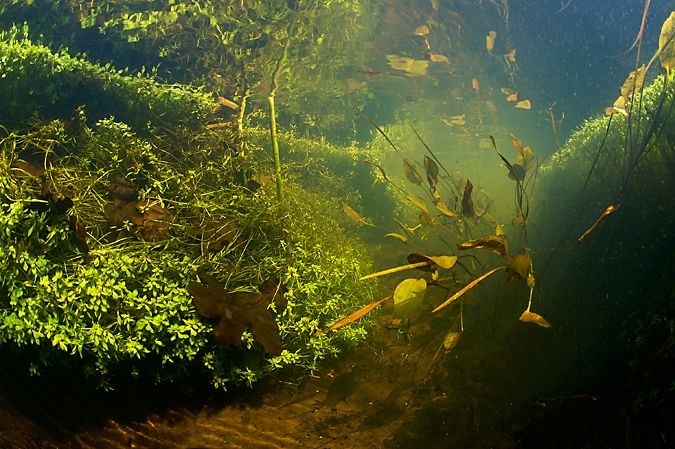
468	287
611	208
236	313
491	243
26	169
467	202
217	232
517	144
153	222
353	316
122	189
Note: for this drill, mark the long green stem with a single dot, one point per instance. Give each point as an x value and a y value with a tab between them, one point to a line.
273	116
275	148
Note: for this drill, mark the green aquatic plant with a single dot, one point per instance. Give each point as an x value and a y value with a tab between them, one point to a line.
123	305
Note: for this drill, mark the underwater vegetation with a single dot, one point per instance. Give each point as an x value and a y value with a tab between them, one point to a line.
230	47
635	143
130	245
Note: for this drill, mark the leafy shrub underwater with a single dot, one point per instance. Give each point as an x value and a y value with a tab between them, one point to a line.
86	273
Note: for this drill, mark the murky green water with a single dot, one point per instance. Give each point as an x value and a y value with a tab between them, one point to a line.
149	233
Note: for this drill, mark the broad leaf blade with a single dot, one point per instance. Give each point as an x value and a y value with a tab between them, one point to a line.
408	297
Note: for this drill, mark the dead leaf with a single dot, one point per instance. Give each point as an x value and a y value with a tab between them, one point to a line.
218	231
528	159
517	143
620	106
519	171
353	316
227	103
400	62
491	243
508	91
611	208
499	231
235	315
512	97
468	287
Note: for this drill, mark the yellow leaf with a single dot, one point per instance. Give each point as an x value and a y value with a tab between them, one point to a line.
402	238
633	83
531	317
433	57
451	339
421	30
419	202
518	267
528	158
667	44
444	209
397	269
408	296
351	213
426	220
491	243
418	68
490	41
445	262
525	104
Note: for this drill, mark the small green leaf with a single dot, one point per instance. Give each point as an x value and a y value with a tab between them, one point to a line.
408	297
